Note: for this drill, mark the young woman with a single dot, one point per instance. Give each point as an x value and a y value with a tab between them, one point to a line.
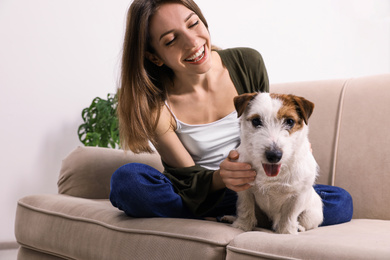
177	93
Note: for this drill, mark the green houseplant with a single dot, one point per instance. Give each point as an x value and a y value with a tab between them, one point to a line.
100	127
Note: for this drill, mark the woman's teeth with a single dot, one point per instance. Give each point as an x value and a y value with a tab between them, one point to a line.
197	56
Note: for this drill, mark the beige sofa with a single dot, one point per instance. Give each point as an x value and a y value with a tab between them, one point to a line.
350	137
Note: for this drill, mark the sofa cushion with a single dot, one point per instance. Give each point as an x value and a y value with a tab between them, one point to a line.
86	171
78	228
363	157
358	239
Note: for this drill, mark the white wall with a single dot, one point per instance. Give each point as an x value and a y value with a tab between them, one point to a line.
303	39
56	56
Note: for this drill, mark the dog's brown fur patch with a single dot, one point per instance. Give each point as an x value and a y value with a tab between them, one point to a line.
242	101
297	108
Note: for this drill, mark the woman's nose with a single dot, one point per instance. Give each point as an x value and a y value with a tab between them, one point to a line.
191	40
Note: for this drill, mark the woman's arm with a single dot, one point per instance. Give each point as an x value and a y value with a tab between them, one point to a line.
168	144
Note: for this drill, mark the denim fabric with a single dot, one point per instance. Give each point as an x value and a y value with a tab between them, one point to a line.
142	191
338	206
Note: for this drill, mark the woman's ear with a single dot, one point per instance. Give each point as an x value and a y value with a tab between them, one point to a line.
154	58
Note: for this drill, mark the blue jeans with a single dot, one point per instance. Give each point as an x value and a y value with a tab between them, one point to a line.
142	191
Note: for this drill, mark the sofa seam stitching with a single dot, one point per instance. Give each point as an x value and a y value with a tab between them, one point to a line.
39	250
338	130
244	251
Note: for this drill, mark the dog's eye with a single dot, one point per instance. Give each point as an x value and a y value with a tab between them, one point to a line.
290	122
256	122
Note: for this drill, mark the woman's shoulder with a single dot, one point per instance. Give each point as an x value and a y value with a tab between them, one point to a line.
166	122
247	69
239	53
241	58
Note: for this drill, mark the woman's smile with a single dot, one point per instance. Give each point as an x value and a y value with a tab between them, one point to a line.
198	56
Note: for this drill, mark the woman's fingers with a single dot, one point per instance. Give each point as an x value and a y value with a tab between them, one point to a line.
236	175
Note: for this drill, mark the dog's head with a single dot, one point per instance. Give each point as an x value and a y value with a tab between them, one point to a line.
271	126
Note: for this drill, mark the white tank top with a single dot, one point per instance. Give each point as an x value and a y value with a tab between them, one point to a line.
209	144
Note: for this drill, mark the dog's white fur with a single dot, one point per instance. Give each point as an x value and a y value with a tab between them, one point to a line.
288	199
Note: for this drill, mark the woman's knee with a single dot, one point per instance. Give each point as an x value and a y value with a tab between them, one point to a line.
126	184
142	191
129	172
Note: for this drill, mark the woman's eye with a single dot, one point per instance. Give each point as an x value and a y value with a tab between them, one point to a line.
194	24
256	122
170	42
290	122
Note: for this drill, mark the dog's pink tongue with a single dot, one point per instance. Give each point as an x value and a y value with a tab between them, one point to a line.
271	170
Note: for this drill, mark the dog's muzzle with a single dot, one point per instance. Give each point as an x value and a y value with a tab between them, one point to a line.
273	156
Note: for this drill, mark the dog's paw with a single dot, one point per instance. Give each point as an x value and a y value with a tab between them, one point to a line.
287	229
228	219
301	228
243	225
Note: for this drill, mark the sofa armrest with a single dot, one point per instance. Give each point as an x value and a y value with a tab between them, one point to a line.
86	171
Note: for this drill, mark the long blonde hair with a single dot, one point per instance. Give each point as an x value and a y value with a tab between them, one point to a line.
143	84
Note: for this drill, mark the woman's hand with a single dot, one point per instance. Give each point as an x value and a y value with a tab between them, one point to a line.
236	175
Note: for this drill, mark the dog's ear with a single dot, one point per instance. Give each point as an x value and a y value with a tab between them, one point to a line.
242	101
304	107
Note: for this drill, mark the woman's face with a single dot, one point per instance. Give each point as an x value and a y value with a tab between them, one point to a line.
180	39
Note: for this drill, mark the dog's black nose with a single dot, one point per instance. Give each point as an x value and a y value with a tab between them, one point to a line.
273	156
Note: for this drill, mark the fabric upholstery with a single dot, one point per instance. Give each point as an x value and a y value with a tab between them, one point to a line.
359	239
25	253
363	158
78	228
